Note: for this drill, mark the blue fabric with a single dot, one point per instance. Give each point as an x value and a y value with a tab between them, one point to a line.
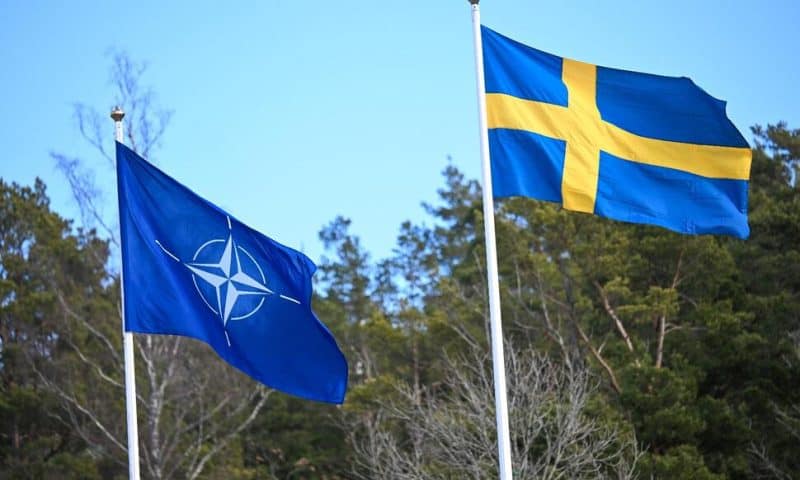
509	66
191	269
667	108
526	164
673	199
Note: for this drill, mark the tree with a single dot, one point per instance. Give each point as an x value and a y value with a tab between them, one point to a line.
770	277
38	250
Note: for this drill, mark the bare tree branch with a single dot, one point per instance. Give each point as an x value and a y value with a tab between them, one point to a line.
262	394
73	402
610	371
662	321
613	314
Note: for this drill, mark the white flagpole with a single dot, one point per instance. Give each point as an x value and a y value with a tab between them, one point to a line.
498	360
127	342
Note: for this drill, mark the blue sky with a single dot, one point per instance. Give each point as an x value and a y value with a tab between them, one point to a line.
288	113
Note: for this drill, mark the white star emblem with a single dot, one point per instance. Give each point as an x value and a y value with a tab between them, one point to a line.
228	281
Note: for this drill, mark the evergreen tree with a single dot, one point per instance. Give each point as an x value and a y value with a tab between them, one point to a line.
38	253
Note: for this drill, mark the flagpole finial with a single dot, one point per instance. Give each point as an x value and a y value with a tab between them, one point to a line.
117	114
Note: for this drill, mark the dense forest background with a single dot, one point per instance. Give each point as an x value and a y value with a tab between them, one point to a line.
632	352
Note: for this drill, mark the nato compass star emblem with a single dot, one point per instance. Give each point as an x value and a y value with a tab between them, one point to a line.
227	278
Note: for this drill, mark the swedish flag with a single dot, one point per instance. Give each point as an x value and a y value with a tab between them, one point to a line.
623	145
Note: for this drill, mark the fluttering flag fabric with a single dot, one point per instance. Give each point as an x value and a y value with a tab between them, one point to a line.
624	145
191	269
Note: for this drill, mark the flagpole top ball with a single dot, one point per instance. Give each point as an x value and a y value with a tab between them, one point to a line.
117	114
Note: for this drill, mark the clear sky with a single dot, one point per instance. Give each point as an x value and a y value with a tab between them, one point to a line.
288	113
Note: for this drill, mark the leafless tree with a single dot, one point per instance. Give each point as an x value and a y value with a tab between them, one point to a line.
553	435
191	406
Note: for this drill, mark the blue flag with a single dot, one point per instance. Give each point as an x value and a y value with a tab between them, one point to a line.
623	145
191	269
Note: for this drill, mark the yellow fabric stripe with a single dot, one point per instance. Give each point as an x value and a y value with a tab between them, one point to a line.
505	111
582	159
706	160
555	121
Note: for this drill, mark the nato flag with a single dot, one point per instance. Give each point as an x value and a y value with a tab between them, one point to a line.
191	269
